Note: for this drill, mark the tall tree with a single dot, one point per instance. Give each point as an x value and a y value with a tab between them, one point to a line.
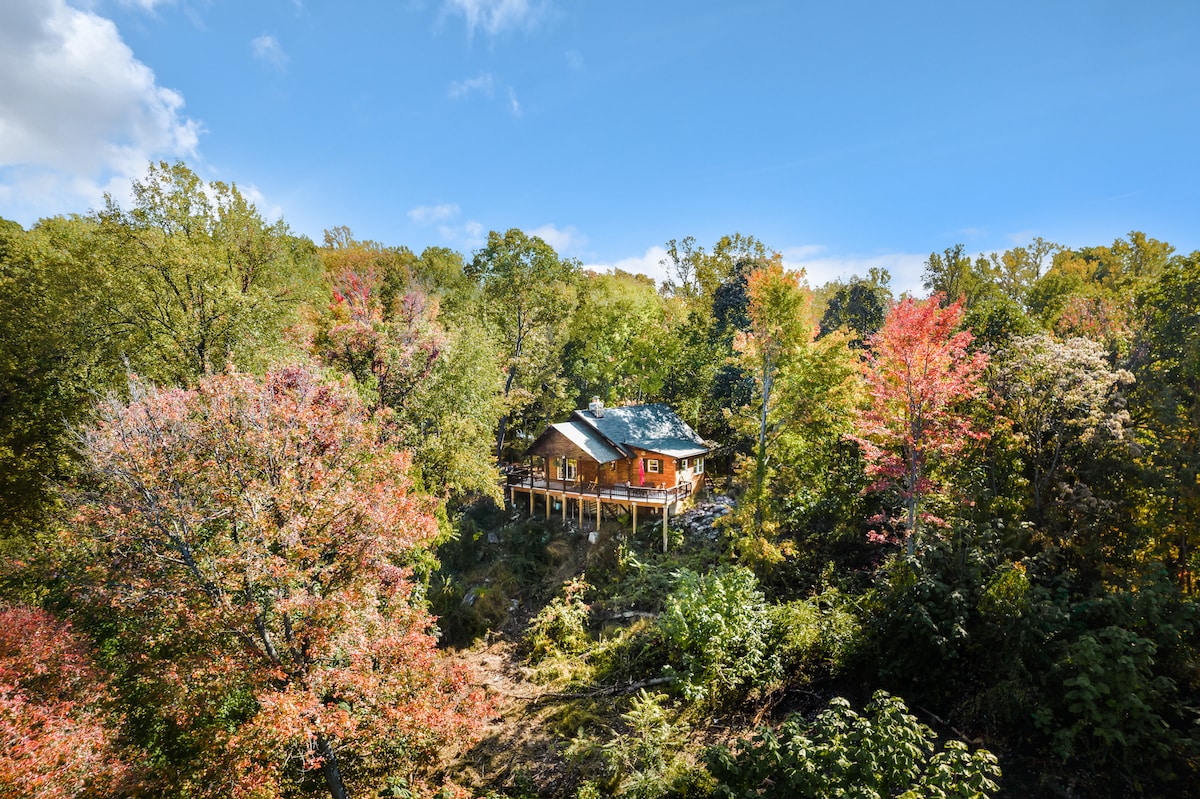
1066	405
859	306
529	295
1166	360
252	535
196	279
918	375
800	385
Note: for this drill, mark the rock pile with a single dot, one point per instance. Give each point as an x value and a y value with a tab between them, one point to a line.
700	521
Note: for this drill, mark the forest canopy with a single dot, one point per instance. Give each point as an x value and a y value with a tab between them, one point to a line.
257	540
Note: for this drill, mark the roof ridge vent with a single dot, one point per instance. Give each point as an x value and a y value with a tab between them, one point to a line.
596	408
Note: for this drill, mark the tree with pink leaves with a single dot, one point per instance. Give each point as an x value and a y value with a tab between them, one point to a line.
57	739
256	533
919	375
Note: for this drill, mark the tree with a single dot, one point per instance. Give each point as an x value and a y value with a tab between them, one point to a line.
194	277
54	352
858	306
918	375
1166	360
252	535
953	276
57	739
529	297
1065	402
621	345
800	384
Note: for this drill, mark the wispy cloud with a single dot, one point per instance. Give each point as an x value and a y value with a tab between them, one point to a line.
567	241
821	267
513	105
650	263
432	214
483	83
80	114
267	49
574	59
146	5
496	16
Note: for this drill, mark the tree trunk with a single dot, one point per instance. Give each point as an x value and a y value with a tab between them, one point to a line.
330	770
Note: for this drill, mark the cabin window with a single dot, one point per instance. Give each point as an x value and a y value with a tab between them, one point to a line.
571	468
683	463
653	465
699	465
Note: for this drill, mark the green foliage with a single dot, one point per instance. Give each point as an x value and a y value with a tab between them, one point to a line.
719	632
646	758
195	278
883	753
560	628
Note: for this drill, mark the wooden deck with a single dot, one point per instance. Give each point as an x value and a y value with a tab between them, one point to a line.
620	494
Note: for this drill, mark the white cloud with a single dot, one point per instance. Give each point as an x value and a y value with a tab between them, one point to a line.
819	268
648	263
146	5
430	214
567	241
497	16
480	84
79	114
267	49
468	236
513	105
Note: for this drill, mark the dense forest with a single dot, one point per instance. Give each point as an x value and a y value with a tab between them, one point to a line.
255	541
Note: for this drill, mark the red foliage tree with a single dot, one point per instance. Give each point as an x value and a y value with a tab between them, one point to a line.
918	374
257	531
56	739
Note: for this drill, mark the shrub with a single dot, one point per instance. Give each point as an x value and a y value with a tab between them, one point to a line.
561	626
884	753
719	633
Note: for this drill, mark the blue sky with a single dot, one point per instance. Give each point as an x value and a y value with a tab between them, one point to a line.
846	135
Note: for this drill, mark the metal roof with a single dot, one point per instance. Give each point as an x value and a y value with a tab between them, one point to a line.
656	428
588	441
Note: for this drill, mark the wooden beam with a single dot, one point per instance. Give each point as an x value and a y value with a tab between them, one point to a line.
634	517
666	513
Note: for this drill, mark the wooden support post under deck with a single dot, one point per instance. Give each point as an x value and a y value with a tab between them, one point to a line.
564	505
666	513
531	498
547	503
634	517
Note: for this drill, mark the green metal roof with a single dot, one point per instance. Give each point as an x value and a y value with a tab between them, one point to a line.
656	428
588	441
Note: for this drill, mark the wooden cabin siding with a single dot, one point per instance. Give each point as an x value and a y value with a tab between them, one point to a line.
554	444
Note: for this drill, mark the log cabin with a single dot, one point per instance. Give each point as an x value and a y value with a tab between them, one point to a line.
631	457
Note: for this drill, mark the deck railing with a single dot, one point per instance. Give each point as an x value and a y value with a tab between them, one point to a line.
522	478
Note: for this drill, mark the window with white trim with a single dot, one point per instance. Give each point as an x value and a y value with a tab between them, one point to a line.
653	465
699	465
572	469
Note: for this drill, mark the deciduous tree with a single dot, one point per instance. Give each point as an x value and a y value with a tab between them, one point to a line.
57	738
257	530
918	375
529	297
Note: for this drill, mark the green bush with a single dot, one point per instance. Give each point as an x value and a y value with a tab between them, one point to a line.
646	758
720	635
884	753
561	626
